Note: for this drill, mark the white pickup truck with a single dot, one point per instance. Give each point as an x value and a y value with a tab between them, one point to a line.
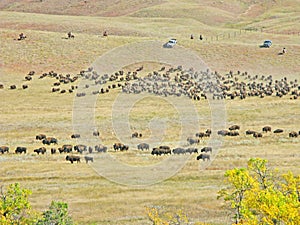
171	43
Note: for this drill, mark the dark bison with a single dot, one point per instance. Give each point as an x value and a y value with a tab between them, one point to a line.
192	141
75	136
88	158
13	87
73	158
257	135
20	150
24	86
234	127
120	146
277	131
80	148
293	134
162	150
96	133
53	151
206	149
267	129
143	146
179	151
41	150
49	140
136	135
223	132
65	148
100	148
40	136
203	157
4	149
191	150
250	132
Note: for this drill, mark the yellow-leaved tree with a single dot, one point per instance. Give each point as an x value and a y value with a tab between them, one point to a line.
258	195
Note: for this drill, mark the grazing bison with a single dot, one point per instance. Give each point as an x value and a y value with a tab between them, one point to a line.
13	87
88	158
206	149
75	136
277	131
179	151
234	127
96	133
41	150
40	136
49	140
293	134
4	149
80	148
192	141
250	132
53	151
257	135
203	157
136	135
100	148
65	148
20	150
267	129
120	146
143	146
223	132
162	150
73	158
191	150
24	86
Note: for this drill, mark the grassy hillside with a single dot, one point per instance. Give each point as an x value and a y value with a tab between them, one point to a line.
226	46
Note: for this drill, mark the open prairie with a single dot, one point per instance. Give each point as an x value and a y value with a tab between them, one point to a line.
232	32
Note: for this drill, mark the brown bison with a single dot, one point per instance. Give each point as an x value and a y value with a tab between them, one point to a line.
53	151
293	134
267	129
4	149
136	135
41	150
120	146
73	158
234	127
40	136
257	135
96	133
192	141
80	148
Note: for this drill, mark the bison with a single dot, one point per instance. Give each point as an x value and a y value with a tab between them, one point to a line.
88	158
234	127
192	141
20	150
80	148
267	129
293	134
206	149
40	136
277	131
100	148
120	146
41	150
143	146
203	157
53	151
179	151
191	150
73	158
75	136
136	135
4	149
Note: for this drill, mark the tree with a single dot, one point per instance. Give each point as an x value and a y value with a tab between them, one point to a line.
258	195
15	207
57	214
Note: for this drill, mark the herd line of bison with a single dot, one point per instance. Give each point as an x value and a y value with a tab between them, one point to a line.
192	145
164	82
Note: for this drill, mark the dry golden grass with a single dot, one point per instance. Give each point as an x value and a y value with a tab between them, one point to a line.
94	199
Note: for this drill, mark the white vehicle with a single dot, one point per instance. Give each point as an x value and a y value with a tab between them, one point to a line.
171	43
